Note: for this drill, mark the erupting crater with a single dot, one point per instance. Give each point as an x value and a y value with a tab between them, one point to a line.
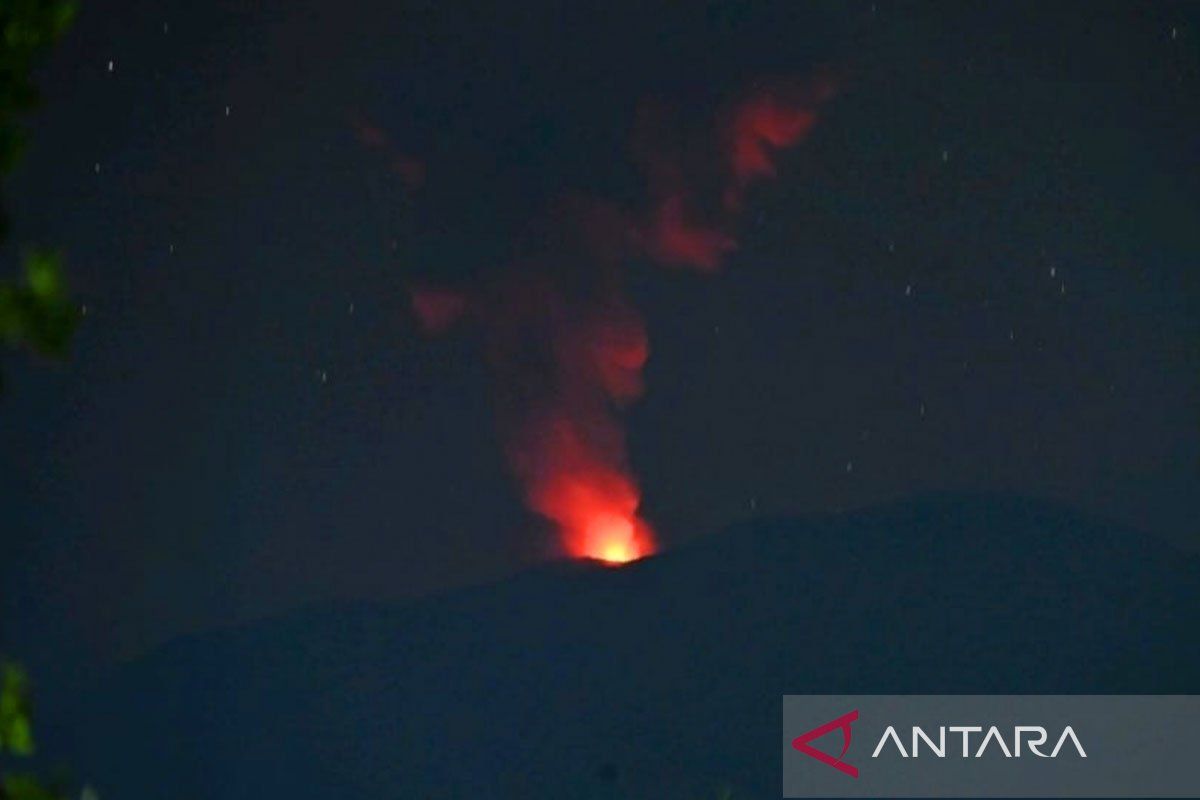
615	539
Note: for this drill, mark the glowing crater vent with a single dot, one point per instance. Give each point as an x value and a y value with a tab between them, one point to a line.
616	539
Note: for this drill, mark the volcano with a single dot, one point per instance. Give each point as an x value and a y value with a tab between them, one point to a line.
659	679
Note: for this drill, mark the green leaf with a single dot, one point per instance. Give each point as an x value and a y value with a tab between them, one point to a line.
20	736
43	274
16	731
38	314
27	787
63	16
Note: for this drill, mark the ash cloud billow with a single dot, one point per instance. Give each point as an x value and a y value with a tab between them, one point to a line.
565	344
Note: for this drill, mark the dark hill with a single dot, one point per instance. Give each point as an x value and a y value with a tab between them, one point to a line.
657	680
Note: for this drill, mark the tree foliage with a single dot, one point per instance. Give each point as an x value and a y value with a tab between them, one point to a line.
35	312
16	738
16	731
28	28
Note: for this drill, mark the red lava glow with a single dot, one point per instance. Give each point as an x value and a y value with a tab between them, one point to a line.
574	473
616	539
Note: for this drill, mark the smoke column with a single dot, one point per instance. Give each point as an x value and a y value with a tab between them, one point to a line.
565	345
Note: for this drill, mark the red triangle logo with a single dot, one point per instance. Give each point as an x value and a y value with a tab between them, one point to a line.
801	743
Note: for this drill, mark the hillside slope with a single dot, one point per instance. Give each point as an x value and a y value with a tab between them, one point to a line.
658	680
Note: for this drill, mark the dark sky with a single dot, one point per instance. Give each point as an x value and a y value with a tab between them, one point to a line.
978	273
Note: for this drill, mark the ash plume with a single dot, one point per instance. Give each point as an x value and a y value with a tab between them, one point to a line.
565	344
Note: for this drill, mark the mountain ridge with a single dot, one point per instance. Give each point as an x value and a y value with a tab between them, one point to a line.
661	678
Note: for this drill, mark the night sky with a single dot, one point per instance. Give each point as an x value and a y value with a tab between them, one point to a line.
978	273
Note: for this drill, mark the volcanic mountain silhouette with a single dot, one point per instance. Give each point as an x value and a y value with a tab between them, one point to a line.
658	680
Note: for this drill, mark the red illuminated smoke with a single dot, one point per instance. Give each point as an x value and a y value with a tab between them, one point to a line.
566	346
